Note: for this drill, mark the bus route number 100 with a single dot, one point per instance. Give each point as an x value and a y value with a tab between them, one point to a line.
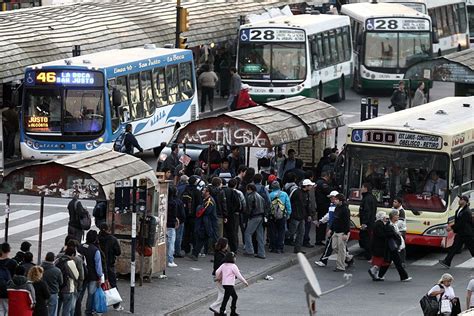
380	137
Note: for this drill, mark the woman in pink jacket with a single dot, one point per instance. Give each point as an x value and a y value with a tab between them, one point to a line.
227	273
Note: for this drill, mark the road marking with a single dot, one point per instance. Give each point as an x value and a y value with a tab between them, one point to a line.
35	223
468	264
428	260
353	250
49	234
348	115
17	215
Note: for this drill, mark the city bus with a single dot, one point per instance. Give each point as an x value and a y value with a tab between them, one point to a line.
470	14
387	39
308	55
449	18
83	103
400	154
418	5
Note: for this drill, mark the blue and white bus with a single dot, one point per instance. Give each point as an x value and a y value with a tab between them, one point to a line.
83	103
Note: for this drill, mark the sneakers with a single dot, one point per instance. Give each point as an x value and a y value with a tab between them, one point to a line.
172	265
407	279
444	264
202	255
119	308
320	264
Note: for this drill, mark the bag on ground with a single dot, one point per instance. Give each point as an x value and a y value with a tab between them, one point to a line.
113	296
100	301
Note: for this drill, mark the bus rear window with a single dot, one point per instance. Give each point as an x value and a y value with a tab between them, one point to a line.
420	178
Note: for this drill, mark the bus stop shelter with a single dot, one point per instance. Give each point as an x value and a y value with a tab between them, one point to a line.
457	67
269	125
92	175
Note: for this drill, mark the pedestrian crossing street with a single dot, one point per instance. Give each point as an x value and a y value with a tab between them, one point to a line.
461	261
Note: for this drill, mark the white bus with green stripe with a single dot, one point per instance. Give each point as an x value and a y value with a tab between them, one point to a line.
387	39
309	55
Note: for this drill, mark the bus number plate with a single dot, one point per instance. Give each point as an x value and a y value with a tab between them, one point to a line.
397	24
396	138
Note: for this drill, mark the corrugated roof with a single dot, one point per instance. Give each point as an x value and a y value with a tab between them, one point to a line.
42	34
464	57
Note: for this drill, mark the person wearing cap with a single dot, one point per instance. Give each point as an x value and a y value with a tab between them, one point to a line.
244	100
310	205
327	219
463	229
341	226
276	227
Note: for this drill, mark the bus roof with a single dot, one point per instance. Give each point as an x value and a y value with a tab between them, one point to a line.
304	21
112	57
428	118
364	11
438	3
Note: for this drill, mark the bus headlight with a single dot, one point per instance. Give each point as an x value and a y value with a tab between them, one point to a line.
96	143
439	231
36	145
89	146
29	143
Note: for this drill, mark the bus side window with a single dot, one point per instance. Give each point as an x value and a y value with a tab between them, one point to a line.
333	47
186	81
124	110
450	15
468	169
327	52
146	93
161	95
340	46
347	43
461	8
314	52
172	83
135	104
114	113
319	43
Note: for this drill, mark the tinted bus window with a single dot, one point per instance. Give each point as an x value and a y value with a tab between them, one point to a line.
124	110
146	92
114	112
347	43
160	87
186	81
172	83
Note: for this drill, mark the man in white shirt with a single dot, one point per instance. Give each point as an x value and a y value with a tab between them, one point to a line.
435	185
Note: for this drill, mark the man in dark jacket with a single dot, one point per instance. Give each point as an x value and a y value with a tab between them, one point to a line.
367	211
298	212
463	229
76	211
399	98
234	207
95	275
110	246
322	191
204	227
172	161
191	198
221	204
130	142
255	212
341	227
54	279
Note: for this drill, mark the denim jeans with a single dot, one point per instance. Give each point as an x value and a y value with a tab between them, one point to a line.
79	297
3	307
179	239
297	227
255	225
91	288
68	301
170	239
53	304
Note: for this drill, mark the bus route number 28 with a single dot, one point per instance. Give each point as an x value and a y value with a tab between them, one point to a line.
262	35
382	25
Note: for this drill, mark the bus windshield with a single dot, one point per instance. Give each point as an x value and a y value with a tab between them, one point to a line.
396	49
64	111
272	61
420	178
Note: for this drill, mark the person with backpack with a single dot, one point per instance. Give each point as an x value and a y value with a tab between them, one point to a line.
234	208
7	269
191	198
221	204
54	279
298	213
68	288
129	141
21	294
110	246
100	212
255	213
79	219
20	255
280	210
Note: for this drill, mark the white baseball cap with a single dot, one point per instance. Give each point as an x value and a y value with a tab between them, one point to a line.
307	182
333	193
244	86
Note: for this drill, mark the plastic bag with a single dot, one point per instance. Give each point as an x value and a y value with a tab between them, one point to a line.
113	296
100	301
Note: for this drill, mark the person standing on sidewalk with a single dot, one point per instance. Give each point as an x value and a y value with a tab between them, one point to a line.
463	229
76	211
207	81
227	273
328	219
256	213
298	213
419	97
323	189
11	125
234	91
279	199
397	205
42	295
220	251
68	289
206	221
367	211
399	98
54	279
341	227
310	206
171	223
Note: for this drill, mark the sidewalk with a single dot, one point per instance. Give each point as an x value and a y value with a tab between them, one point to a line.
191	285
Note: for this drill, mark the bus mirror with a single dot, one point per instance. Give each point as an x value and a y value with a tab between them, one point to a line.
434	36
16	95
116	98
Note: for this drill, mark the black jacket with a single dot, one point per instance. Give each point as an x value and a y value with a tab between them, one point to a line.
342	219
298	210
89	251
233	201
368	209
171	162
379	240
172	213
218	260
109	244
321	192
42	296
52	276
130	142
463	222
191	198
75	212
399	100
221	204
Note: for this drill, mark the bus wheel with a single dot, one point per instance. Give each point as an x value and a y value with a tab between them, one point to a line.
439	53
459	48
320	92
157	151
341	92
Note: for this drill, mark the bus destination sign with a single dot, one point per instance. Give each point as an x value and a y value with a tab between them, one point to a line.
397	24
397	138
272	35
63	78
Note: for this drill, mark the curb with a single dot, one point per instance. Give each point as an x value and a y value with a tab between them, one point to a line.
207	298
14	163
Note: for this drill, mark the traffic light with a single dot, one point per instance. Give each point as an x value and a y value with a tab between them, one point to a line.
183	20
182	42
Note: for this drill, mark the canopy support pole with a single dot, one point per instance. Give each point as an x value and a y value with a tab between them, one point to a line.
7	216
134	247
40	236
